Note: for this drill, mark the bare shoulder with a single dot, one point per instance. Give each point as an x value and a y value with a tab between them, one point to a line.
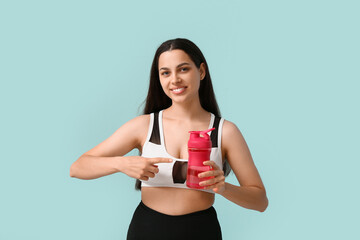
229	126
232	138
139	121
128	136
136	124
138	127
231	132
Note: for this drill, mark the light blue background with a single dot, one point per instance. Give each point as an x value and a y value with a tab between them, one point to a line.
286	72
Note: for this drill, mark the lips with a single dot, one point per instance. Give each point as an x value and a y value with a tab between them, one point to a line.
178	90
171	89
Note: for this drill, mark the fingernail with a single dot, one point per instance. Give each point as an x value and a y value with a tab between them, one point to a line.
170	160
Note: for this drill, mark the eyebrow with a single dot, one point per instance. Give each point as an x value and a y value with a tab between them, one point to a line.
181	64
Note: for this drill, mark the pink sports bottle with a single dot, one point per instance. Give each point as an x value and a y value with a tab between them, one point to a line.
199	147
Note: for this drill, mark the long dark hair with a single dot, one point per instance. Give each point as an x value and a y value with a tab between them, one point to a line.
157	100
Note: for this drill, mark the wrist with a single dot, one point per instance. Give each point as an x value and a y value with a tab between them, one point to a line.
226	189
119	163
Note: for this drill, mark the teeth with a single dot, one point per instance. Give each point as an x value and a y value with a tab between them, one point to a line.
178	89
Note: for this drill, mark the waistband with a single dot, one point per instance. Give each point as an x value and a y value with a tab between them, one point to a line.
210	210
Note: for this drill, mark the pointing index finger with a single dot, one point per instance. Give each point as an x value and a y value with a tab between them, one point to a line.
160	160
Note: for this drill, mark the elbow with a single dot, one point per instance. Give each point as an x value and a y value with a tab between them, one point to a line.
72	171
75	168
264	204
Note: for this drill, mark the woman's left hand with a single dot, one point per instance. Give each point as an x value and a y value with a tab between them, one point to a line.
217	183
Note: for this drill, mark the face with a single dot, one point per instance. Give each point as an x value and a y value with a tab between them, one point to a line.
179	76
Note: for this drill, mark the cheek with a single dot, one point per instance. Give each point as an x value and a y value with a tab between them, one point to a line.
196	82
195	79
164	88
162	83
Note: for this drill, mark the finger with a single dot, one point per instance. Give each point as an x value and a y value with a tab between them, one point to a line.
212	164
146	175
210	173
160	160
212	181
216	187
155	166
153	169
150	174
209	186
144	178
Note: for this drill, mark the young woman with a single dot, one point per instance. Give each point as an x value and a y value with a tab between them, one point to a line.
180	99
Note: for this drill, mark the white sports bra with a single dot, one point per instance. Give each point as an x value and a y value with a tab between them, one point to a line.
174	174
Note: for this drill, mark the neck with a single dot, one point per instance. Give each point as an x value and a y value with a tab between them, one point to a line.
186	111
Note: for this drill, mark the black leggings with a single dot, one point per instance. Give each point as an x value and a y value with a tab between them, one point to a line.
148	224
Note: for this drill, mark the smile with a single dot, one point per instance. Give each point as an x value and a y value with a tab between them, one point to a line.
178	90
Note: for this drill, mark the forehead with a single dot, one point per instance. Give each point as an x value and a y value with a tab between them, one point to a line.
173	58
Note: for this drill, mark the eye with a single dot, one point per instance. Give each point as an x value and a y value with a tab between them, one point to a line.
163	73
185	68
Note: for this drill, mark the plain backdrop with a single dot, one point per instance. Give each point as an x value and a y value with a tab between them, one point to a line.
285	72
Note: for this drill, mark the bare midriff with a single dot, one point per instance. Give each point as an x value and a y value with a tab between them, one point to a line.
176	201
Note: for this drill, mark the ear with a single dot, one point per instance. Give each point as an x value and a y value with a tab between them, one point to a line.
202	71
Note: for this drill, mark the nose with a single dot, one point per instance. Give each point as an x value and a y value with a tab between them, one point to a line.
175	79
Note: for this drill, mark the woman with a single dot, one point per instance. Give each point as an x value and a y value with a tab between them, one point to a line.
180	99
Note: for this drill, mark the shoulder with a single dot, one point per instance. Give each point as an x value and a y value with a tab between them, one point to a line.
127	137
140	120
229	128
232	137
136	128
138	123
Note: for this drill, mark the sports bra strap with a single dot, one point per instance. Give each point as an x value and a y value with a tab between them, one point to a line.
155	134
214	133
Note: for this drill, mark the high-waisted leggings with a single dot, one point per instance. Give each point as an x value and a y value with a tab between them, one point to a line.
148	224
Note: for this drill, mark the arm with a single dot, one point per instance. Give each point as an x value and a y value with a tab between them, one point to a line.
90	167
251	193
107	157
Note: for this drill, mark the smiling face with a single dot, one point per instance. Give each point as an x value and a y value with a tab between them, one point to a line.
179	76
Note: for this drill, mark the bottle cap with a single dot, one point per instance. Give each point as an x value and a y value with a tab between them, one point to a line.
200	139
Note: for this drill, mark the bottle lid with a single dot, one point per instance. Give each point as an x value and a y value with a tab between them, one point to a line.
200	139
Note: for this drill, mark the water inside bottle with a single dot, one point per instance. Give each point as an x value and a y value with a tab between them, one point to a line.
193	180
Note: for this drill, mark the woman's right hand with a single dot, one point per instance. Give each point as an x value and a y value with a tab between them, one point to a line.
142	168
